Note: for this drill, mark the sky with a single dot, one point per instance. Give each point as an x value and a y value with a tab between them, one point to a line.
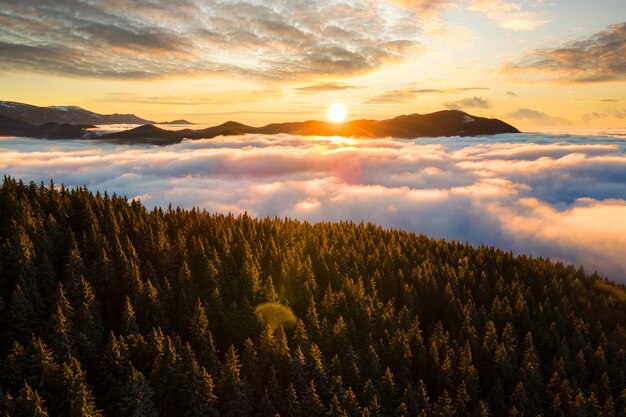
557	196
536	64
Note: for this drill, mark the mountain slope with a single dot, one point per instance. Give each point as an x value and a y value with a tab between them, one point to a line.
64	114
106	307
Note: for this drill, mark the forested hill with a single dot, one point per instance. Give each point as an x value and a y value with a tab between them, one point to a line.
109	309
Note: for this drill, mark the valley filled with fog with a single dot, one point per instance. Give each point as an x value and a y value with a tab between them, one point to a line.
551	195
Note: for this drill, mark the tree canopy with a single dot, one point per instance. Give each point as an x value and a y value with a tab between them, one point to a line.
110	309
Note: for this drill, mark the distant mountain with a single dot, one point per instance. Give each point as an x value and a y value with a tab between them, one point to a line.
442	123
177	122
147	134
50	130
64	114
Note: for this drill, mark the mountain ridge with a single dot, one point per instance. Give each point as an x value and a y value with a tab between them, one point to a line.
65	114
444	123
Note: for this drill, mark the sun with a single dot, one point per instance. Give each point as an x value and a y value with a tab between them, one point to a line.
337	112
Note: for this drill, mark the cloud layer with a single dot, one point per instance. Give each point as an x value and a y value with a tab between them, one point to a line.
558	196
287	40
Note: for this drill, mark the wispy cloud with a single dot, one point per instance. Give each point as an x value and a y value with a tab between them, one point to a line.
615	113
224	97
551	196
468	103
618	113
325	87
599	58
509	14
411	94
538	117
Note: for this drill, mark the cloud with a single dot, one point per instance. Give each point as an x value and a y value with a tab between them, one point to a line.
324	87
538	117
615	113
409	95
593	115
425	7
469	102
222	97
618	113
599	58
558	196
143	39
508	14
399	96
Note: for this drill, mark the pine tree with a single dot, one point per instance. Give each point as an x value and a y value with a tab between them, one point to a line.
444	406
128	319
266	407
202	339
29	403
60	326
350	403
335	409
197	388
311	403
114	369
79	398
21	317
388	392
292	406
166	379
87	329
232	389
136	397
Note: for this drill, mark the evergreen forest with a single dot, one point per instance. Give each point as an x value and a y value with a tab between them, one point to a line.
108	308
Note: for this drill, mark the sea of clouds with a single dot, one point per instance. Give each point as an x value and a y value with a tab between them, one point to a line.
560	196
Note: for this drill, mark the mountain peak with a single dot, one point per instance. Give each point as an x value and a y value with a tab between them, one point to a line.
67	108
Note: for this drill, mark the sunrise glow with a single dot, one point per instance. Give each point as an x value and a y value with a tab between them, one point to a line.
530	63
337	113
312	208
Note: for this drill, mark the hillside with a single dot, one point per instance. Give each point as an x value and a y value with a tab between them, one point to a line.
107	308
50	130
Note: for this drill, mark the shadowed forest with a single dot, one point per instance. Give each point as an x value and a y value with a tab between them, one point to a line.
110	309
